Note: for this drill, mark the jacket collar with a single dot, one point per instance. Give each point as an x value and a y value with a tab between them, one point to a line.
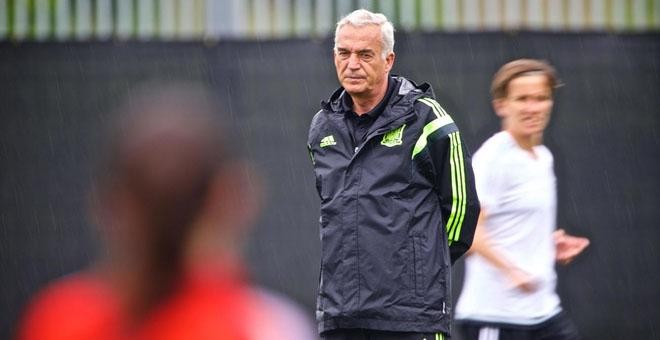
397	104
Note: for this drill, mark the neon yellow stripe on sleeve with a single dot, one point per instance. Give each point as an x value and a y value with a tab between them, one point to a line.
437	109
455	190
457	167
442	119
457	215
428	130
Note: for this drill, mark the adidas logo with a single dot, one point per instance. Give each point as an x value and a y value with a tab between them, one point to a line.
327	141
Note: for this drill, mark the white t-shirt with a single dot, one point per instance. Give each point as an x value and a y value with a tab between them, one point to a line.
518	193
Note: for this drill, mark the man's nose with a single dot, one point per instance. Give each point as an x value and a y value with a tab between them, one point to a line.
353	61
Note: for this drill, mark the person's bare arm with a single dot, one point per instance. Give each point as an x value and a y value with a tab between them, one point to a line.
481	245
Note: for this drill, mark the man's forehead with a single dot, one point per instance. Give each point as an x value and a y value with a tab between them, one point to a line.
368	29
362	37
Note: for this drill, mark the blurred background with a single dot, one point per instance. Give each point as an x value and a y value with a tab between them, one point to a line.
65	63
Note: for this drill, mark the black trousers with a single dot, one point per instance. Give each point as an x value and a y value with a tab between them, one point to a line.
559	327
368	334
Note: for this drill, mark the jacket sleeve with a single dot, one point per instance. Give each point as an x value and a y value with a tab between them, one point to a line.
312	133
453	179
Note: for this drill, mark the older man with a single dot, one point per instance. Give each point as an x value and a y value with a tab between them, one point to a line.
398	201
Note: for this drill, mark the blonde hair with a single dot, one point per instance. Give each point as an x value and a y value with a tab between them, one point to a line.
518	68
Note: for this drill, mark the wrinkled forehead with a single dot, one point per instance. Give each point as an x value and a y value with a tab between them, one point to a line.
359	37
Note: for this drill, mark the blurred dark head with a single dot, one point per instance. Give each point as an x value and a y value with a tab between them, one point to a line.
159	159
158	168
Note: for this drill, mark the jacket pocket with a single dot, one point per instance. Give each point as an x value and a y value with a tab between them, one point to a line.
323	188
321	297
418	267
319	186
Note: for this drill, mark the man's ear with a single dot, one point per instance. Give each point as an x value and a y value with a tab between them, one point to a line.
389	60
499	107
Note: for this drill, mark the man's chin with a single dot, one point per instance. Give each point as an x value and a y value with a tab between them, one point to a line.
353	89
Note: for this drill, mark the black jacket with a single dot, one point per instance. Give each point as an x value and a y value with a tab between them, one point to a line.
395	212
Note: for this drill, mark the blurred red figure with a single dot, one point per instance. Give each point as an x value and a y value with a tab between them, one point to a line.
172	199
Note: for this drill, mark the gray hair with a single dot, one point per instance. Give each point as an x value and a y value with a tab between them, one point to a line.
362	17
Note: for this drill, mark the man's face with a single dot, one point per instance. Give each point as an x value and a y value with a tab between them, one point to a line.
361	70
526	108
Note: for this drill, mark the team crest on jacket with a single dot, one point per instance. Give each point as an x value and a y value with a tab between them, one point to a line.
394	137
327	141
